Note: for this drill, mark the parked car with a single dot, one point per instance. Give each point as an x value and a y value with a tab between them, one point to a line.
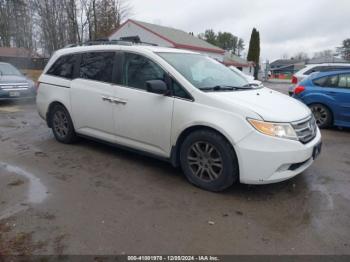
248	78
179	106
13	84
312	68
328	96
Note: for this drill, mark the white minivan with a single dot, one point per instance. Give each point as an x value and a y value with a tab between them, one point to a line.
179	106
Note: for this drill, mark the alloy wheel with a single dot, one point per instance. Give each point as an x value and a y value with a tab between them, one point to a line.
320	113
60	124
205	161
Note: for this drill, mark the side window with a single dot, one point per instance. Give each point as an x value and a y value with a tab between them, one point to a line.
179	91
63	67
97	66
320	81
139	69
332	81
344	81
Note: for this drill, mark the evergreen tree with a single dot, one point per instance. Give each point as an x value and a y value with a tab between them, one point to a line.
210	36
344	50
254	50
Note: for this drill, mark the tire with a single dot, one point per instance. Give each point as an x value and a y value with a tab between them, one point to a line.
208	160
322	115
62	125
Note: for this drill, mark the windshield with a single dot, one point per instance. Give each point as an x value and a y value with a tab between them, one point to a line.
7	69
205	73
238	73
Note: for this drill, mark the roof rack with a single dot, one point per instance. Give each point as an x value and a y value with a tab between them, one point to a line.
107	42
128	40
136	40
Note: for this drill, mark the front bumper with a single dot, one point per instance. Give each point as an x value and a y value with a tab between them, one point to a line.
16	94
264	159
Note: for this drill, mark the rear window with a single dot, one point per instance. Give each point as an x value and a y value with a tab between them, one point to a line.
97	66
63	67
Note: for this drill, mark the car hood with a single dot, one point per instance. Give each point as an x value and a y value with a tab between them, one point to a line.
12	79
269	104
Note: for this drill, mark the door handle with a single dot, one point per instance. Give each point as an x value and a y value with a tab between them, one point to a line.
105	98
119	101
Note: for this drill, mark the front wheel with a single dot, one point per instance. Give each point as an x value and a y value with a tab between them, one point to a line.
322	115
208	160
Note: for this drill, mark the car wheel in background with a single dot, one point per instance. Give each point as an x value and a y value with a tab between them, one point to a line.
322	115
208	160
62	125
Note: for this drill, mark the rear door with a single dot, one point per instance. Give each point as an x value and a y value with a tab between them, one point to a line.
343	97
92	93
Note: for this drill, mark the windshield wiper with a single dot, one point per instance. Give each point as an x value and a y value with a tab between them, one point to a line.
225	88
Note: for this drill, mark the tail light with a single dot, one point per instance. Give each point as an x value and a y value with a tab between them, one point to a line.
294	80
299	89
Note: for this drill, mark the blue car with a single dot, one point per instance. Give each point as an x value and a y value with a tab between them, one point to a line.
328	96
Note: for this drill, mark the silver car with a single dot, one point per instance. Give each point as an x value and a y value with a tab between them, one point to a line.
13	84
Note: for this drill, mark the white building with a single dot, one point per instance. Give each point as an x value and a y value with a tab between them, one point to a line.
167	37
236	61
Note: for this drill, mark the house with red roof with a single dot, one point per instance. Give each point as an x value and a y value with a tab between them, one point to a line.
167	37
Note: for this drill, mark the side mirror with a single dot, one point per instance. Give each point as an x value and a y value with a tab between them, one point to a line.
157	87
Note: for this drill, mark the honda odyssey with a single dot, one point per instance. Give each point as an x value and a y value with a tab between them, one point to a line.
180	106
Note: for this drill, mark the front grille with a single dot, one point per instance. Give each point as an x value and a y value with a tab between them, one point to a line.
14	86
305	129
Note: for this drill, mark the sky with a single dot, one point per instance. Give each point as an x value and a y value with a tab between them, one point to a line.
286	27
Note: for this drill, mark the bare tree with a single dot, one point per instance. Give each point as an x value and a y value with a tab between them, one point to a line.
5	33
328	53
16	24
48	25
285	56
301	56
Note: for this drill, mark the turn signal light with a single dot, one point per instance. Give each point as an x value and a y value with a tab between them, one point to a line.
299	89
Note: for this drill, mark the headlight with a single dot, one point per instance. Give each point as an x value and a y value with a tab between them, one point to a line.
283	130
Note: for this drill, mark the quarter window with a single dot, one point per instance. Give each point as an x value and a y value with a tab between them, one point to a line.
97	66
63	67
320	81
179	91
139	69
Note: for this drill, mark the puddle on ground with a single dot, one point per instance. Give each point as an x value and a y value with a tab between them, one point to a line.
36	190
